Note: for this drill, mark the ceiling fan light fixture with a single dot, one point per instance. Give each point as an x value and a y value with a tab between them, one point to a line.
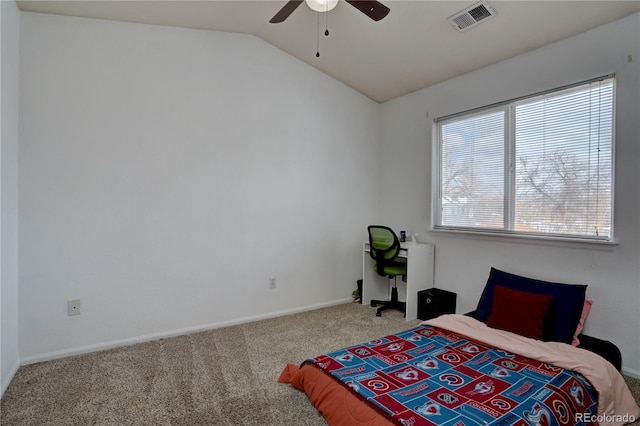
322	5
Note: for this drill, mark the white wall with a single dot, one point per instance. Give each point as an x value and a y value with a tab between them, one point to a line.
9	71
463	263
166	174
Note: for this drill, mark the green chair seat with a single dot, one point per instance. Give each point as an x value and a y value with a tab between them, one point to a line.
393	269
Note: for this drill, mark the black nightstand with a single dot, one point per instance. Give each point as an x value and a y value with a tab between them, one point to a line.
434	302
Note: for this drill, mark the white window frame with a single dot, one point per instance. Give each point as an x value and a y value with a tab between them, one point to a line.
509	172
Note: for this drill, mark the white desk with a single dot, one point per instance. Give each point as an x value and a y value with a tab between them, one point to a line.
419	258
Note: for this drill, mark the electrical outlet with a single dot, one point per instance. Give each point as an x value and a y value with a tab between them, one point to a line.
272	283
73	307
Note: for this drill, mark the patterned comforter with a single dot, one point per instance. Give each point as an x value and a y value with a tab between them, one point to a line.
427	375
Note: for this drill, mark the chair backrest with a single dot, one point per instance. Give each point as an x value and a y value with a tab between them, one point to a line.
384	245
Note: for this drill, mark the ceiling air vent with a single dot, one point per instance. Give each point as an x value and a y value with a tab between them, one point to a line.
472	16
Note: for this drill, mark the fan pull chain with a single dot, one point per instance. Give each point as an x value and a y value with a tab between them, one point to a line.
318	35
326	20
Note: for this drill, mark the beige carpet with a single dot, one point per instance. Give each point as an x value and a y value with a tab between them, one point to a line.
226	376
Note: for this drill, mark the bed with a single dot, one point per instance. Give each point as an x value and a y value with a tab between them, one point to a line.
462	370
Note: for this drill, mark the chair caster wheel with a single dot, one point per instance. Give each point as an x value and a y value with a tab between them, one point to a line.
373	304
378	314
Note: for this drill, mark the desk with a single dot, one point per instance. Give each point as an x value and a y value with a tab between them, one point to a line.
419	258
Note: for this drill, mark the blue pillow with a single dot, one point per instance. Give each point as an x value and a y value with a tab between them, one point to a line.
564	312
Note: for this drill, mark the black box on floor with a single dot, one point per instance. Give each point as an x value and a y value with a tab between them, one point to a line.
359	283
434	302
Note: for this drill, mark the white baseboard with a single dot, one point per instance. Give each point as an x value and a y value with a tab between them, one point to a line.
7	380
631	372
173	333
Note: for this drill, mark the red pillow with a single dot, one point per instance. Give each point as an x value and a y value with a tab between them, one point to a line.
519	312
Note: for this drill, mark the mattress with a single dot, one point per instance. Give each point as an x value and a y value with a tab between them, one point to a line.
454	370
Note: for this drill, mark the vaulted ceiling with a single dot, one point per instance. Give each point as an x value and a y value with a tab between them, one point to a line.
413	47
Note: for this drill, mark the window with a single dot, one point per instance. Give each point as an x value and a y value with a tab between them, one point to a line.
540	165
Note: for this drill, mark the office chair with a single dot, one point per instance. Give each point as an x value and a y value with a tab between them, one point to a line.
384	249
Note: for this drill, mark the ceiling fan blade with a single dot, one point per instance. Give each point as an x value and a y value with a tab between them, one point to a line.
285	11
373	9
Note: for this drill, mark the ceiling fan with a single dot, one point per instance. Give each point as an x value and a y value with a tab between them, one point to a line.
373	9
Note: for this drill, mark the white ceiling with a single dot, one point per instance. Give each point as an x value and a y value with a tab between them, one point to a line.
412	48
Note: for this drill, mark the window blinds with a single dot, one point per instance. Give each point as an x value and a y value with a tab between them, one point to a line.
537	165
563	146
473	171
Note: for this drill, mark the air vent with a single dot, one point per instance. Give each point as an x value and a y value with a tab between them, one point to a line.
472	16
